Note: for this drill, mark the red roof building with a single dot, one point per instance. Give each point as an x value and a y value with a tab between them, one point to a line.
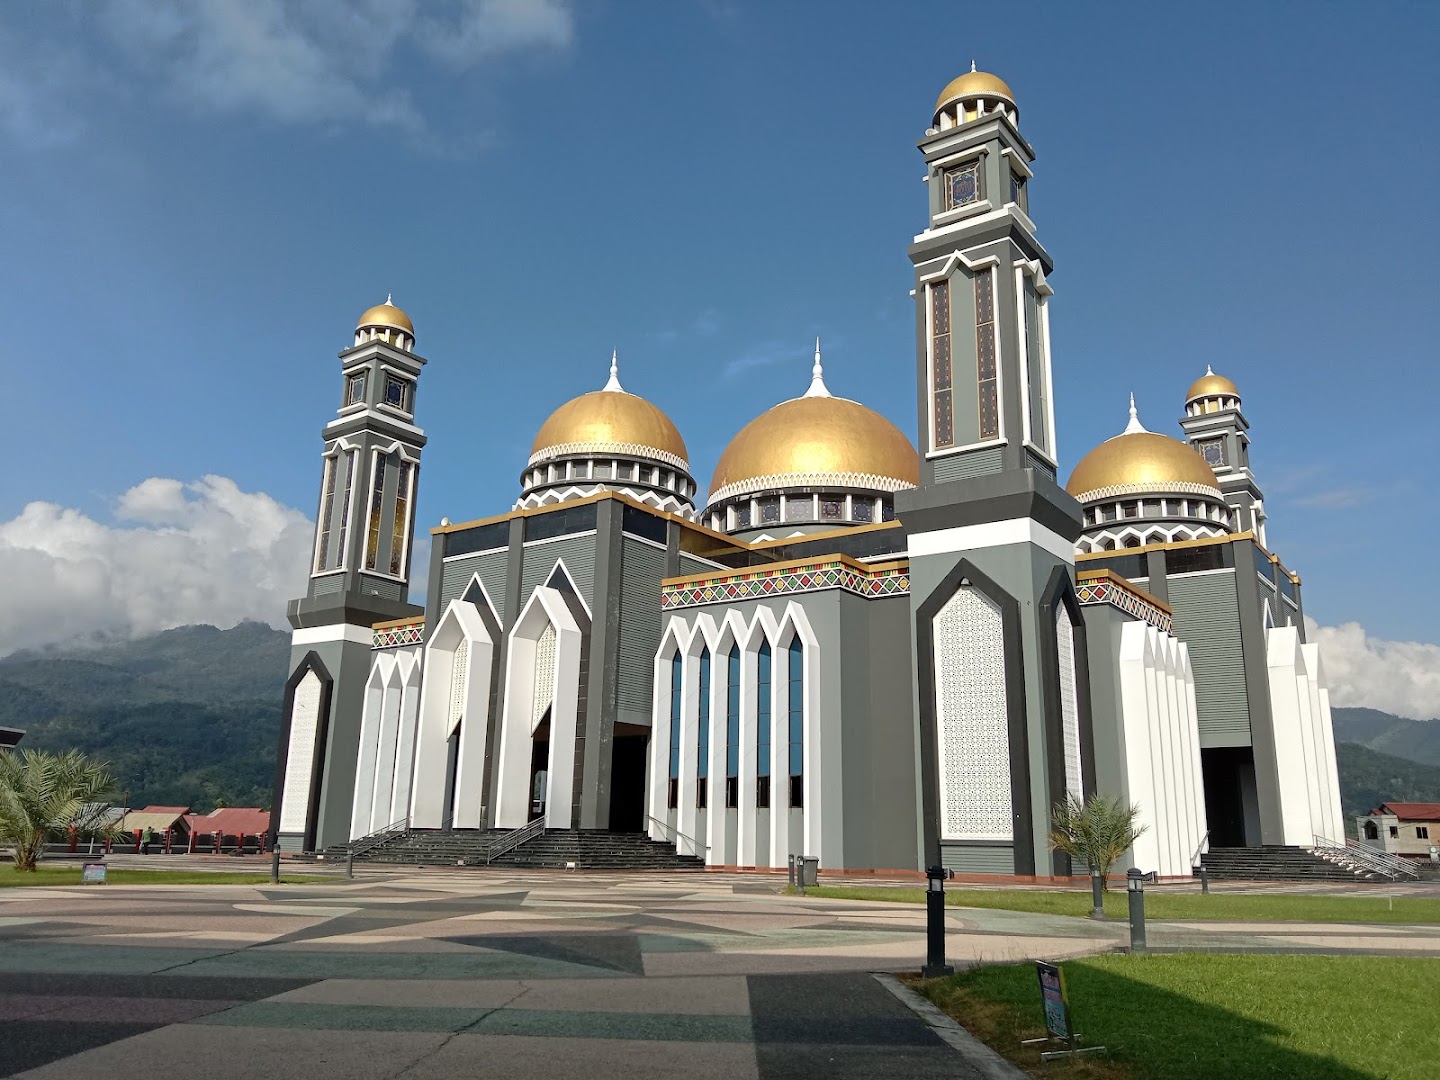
1403	828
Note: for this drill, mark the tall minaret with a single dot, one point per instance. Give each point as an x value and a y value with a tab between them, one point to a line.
998	643
359	575
1217	429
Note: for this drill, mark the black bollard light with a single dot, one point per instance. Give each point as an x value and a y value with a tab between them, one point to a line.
350	863
792	870
274	860
1204	880
1135	887
1097	893
935	965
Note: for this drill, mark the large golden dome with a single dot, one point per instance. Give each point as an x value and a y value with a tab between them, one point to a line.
386	314
1211	385
816	440
1137	460
974	84
610	418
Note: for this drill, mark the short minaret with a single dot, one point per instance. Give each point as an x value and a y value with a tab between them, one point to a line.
1216	427
359	575
991	536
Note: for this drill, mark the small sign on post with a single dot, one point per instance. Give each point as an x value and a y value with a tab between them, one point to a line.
92	873
1059	1024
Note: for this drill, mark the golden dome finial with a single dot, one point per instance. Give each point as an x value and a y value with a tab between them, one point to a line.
386	315
971	85
1211	385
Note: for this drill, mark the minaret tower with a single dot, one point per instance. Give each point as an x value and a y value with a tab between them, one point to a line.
1216	427
359	575
999	644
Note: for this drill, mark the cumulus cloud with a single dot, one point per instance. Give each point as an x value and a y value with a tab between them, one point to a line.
200	552
1401	677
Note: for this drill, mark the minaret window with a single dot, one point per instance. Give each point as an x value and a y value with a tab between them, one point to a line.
1213	451
404	491
355	389
941	377
762	728
399	393
1036	377
352	465
327	507
702	736
377	491
1017	187
962	185
985	367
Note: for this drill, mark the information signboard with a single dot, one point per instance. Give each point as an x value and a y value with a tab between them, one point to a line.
93	873
1052	996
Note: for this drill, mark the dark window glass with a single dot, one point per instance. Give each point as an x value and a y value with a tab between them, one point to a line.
732	792
647	526
1422	832
1263	566
673	799
702	793
560	521
797	791
1394	830
862	509
1131	509
887	511
796	705
677	687
742	515
398	392
1017	185
762	713
762	793
480	538
1192	560
1127	566
770	510
702	741
732	714
986	375
355	389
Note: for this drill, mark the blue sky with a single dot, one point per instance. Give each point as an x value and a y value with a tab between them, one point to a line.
197	202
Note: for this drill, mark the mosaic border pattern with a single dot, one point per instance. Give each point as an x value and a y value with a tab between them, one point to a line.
1113	591
396	637
724	588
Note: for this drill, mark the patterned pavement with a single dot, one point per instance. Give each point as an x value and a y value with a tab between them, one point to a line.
489	974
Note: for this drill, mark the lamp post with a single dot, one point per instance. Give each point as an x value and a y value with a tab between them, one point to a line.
1097	893
935	965
1135	888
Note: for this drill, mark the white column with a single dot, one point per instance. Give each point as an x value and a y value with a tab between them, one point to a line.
779	757
1137	768
385	753
405	744
689	749
370	722
1283	658
715	815
748	815
470	754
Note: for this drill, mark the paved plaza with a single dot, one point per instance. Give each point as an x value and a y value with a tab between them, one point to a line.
488	974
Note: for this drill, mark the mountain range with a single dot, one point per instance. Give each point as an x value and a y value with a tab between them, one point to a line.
191	716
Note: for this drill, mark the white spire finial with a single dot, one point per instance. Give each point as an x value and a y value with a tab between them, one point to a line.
388	297
1134	427
972	65
1208	371
817	377
614	383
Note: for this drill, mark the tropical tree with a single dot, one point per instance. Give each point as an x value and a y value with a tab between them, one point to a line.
43	795
1096	832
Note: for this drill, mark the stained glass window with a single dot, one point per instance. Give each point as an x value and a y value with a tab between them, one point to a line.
862	510
327	506
355	389
942	387
832	509
742	515
985	367
404	491
352	464
372	535
397	393
770	510
962	185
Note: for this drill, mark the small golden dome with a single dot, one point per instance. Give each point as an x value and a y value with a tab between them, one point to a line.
1212	385
1140	460
974	84
386	314
810	438
606	418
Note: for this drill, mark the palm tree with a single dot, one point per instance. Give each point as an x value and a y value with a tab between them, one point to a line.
42	795
1096	832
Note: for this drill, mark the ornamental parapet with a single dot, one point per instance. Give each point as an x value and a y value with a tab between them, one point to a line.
607	449
1107	587
869	580
846	481
397	633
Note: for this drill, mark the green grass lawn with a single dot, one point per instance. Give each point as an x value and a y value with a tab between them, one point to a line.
70	875
1239	907
1199	1016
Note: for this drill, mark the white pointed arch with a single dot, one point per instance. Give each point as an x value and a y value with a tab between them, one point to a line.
382	665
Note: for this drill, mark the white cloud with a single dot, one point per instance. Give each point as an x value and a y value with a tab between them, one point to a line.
1401	677
202	552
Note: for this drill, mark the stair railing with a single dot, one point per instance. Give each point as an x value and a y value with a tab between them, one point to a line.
695	845
1364	857
513	839
373	840
1200	849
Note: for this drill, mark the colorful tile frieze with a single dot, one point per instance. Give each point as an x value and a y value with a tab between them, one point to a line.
783	581
1109	590
394	637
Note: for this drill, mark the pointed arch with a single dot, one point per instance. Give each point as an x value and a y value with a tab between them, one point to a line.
299	764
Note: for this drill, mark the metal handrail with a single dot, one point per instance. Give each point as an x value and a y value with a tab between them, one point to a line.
694	844
375	839
513	839
1368	858
1201	849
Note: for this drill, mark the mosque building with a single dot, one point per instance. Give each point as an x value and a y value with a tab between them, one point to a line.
851	649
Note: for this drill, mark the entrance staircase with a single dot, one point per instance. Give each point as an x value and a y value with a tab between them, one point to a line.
1274	862
551	849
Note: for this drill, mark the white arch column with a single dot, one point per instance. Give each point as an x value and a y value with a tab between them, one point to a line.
385	751
362	806
412	667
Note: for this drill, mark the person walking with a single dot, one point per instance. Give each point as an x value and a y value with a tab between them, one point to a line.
148	839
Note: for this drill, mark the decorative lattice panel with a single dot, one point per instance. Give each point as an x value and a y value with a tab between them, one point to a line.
544	676
973	718
459	681
300	758
1069	700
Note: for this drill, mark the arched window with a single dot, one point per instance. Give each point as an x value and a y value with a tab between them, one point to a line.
797	722
702	766
732	730
762	728
677	688
1372	831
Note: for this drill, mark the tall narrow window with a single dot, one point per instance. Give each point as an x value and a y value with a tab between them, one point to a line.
732	730
352	465
327	506
942	390
796	702
404	491
372	535
762	727
985	367
702	740
1036	388
677	688
355	389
